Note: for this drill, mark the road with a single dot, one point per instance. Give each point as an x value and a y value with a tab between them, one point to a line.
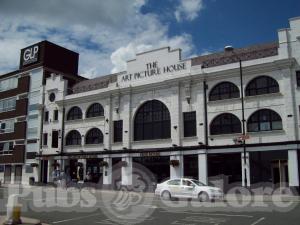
56	206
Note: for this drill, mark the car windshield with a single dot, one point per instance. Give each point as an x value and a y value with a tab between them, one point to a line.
198	183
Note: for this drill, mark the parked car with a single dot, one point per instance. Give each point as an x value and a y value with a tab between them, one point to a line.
188	188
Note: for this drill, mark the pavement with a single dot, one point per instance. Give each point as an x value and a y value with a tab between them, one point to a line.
89	206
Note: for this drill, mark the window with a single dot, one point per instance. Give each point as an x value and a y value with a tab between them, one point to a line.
264	120
298	78
225	124
174	182
118	131
7	126
6	148
152	121
95	110
74	113
55	115
73	138
52	97
8	104
46	119
45	139
224	90
8	84
54	139
262	85
94	136
189	125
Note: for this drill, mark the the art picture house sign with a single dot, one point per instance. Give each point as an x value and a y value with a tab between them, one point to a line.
153	69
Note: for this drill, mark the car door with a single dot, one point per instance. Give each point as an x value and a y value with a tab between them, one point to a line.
174	187
187	188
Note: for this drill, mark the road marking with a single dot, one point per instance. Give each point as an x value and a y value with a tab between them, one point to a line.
258	221
75	218
212	214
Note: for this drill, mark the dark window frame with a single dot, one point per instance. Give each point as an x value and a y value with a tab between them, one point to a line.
94	136
55	134
45	139
75	113
298	78
73	138
255	86
46	116
189	124
264	120
55	115
224	90
118	130
152	121
95	110
225	123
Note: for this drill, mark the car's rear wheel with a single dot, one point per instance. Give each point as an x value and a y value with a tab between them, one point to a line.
166	195
203	197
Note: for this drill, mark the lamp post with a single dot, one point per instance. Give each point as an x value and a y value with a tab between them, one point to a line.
231	49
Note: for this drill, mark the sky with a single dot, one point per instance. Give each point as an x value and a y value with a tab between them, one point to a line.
107	33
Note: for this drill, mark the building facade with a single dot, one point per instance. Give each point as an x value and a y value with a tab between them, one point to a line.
21	102
191	117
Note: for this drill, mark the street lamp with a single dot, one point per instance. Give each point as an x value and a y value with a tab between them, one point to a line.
231	50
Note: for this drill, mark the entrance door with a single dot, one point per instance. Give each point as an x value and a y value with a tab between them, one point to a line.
44	171
18	174
280	173
7	174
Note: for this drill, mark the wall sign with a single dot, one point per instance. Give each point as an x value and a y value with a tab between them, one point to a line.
149	154
30	55
153	69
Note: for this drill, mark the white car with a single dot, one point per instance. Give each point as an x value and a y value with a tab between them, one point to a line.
188	188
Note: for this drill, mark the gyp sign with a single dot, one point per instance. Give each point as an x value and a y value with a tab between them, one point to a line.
30	54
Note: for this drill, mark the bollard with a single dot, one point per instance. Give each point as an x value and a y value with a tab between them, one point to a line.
13	216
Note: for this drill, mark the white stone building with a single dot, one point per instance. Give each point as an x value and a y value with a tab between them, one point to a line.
182	117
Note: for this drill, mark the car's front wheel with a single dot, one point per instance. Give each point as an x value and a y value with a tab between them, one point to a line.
166	195
203	197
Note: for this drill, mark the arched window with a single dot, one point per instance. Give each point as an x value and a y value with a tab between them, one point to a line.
74	113
94	136
152	121
264	120
225	124
262	85
95	110
224	90
73	138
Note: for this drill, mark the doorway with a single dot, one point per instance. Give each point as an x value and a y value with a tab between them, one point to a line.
18	174
7	174
44	171
280	173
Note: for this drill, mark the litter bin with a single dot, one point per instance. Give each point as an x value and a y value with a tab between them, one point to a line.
31	180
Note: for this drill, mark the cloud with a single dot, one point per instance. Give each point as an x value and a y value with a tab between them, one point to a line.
105	33
188	10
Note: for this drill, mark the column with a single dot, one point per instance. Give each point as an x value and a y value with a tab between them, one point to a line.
202	168
176	171
126	100
50	170
107	171
127	171
12	174
175	112
247	168
293	168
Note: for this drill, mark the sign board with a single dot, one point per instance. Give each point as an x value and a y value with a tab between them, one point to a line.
149	154
154	66
30	55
